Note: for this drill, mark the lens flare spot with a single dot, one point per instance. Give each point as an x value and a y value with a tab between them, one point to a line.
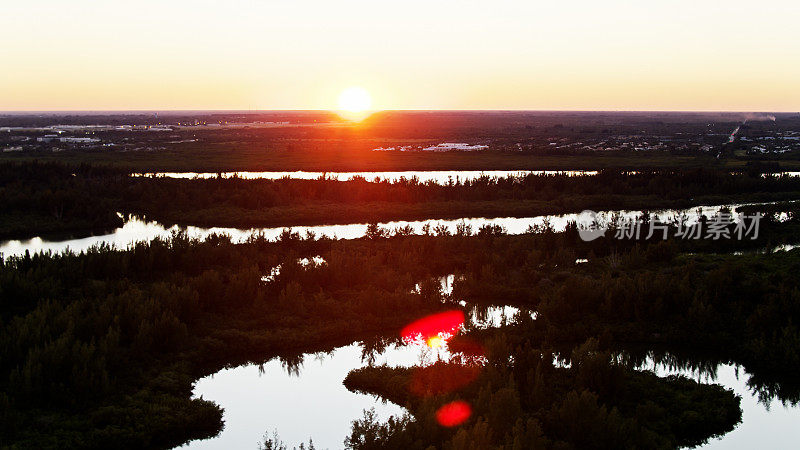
434	330
441	378
454	413
435	342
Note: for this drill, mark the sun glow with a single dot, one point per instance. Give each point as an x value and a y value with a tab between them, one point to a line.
354	103
436	342
355	100
434	330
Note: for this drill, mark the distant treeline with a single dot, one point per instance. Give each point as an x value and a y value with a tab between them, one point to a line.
53	198
47	197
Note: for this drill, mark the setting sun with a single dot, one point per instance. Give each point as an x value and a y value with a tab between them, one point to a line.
355	100
434	224
435	342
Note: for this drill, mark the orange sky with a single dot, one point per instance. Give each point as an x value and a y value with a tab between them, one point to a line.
272	54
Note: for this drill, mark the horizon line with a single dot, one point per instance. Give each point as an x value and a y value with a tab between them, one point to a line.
334	111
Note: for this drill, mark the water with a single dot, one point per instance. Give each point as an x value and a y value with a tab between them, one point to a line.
424	176
494	317
312	402
479	316
137	229
764	425
436	176
308	401
786	174
305	262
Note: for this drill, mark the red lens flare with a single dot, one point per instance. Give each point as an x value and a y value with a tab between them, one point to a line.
441	378
453	414
467	347
434	330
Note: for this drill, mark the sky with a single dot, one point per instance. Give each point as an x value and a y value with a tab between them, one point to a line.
435	54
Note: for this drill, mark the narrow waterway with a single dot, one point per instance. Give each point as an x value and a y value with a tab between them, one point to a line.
137	229
423	176
308	400
305	398
764	425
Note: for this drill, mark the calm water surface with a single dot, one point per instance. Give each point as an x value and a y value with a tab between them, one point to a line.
310	401
138	230
436	176
764	425
423	176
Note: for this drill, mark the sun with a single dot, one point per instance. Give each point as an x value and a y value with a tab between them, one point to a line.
436	342
354	100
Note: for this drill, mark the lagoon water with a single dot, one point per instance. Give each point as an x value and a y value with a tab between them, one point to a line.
425	176
764	425
138	229
436	176
309	401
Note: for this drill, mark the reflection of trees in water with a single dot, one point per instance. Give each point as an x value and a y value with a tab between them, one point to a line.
292	363
691	366
272	441
479	314
482	316
322	356
372	348
768	389
765	386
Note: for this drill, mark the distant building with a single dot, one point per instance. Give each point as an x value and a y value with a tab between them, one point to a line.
68	140
79	140
48	138
448	146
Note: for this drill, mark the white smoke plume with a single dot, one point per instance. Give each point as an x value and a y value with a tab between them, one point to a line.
757	117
